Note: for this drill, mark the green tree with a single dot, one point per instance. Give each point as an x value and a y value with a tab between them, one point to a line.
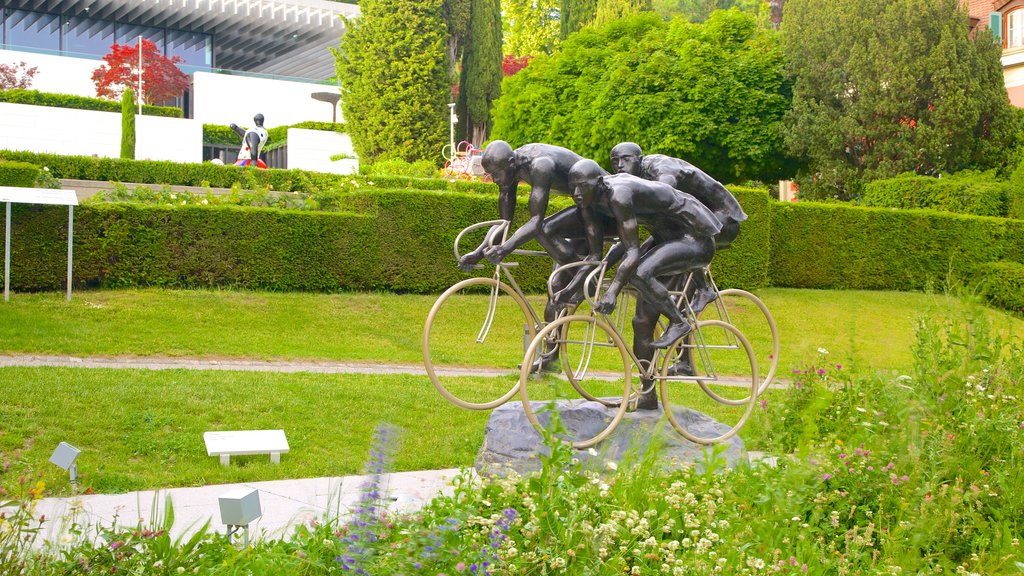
713	94
480	85
699	10
576	14
395	84
530	27
128	124
456	15
609	10
884	87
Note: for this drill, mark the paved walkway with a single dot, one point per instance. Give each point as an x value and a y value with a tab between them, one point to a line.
151	363
285	503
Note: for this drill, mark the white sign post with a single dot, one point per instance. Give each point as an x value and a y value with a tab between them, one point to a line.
9	194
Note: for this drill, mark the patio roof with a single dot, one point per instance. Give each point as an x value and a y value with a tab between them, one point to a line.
282	37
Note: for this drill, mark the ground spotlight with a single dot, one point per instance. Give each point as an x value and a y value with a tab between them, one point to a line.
64	456
238	509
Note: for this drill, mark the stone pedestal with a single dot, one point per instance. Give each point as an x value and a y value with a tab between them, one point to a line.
511	441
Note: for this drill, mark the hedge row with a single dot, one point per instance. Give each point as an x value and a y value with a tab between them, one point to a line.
18	174
219	176
118	245
401	241
850	247
220	135
37	98
1002	284
965	193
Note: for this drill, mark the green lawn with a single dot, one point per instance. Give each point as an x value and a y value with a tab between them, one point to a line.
143	429
872	329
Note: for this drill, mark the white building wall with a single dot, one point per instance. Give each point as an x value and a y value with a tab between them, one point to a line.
225	99
312	150
91	133
58	74
217	98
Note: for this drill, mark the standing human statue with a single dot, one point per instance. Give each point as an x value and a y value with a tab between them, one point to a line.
628	158
682	232
253	141
545	168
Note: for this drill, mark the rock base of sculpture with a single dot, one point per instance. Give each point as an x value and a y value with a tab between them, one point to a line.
511	441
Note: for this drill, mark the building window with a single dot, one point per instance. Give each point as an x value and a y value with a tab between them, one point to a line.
195	49
128	34
33	30
1015	28
87	36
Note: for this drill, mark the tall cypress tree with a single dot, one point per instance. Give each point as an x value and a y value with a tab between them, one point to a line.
395	84
456	15
576	14
480	84
128	124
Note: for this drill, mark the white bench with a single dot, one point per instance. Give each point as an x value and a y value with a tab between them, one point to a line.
246	442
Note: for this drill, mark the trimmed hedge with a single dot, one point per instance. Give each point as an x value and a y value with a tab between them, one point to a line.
963	193
220	135
220	176
20	174
120	245
1002	284
402	241
850	247
37	98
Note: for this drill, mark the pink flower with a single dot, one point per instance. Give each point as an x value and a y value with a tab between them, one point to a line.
826	476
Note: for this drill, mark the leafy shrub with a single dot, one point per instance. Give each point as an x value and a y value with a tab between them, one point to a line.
18	174
1002	284
220	135
37	98
399	167
980	194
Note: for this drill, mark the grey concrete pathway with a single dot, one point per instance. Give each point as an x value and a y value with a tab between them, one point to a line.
285	503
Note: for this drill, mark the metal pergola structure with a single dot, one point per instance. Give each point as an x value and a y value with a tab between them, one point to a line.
277	37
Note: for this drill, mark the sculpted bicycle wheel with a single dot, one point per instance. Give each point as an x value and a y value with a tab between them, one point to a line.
473	341
751	317
610	379
713	402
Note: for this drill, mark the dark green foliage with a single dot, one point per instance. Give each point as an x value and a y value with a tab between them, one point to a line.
480	83
576	14
884	87
964	193
22	174
712	94
848	247
128	124
37	98
395	80
1015	195
1002	284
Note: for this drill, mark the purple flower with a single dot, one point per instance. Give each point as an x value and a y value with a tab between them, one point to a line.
826	476
821	371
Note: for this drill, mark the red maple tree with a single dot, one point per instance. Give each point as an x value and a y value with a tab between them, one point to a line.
512	64
162	81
